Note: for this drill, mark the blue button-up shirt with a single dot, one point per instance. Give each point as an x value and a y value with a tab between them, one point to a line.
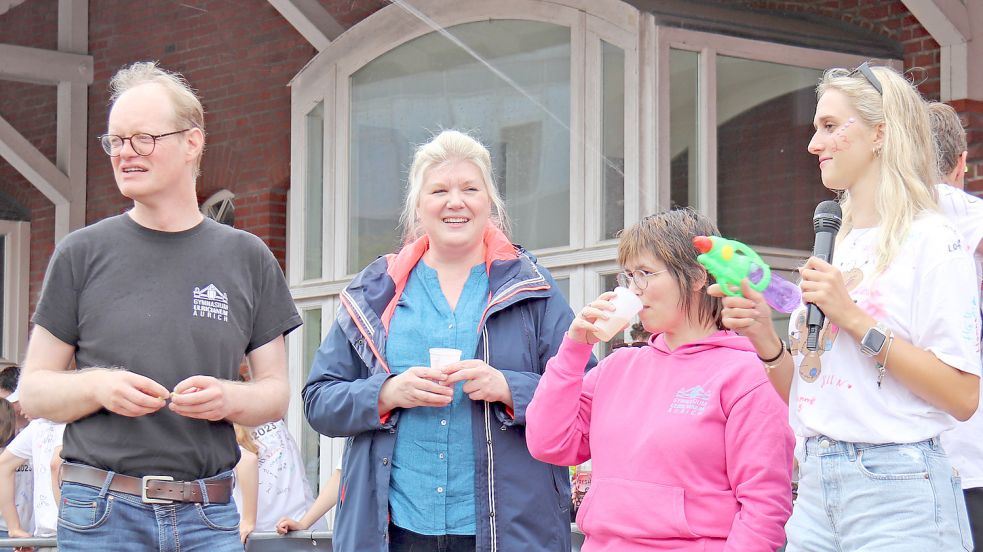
431	490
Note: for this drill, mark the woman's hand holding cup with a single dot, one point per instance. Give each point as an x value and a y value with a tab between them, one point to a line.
605	316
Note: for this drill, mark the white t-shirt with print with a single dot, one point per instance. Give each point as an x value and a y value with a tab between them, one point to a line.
283	487
37	443
927	297
23	497
964	443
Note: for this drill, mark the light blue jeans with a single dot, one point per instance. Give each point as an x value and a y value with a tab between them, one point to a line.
890	498
90	518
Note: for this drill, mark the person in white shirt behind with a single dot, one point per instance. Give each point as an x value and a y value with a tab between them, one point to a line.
21	493
325	501
35	444
963	443
282	489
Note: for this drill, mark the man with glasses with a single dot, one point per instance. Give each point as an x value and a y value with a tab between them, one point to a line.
156	307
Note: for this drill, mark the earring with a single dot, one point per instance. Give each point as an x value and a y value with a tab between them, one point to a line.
876	150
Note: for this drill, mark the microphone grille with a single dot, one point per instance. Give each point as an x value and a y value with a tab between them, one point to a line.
828	217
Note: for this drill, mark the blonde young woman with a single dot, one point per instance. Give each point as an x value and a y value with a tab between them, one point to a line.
437	458
898	361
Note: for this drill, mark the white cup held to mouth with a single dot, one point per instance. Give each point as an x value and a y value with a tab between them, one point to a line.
626	306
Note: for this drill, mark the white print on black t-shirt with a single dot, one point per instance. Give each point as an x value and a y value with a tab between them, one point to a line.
211	303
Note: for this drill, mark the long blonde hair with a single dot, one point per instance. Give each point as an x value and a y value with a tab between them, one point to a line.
907	156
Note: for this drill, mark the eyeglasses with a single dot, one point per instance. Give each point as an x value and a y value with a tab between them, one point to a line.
868	74
638	277
142	143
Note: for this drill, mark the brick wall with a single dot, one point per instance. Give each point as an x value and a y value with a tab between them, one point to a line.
241	55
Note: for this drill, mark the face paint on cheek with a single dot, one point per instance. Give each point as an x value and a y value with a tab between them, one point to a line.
840	140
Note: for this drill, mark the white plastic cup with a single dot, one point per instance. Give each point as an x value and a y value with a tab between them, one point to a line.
626	306
442	357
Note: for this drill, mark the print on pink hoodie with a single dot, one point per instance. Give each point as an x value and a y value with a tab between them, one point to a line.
690	449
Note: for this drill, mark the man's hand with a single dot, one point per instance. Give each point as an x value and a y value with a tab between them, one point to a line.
129	394
482	382
417	386
201	397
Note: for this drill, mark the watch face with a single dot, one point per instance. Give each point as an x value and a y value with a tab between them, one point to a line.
874	340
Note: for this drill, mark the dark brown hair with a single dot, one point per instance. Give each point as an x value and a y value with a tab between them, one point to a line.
668	236
8	422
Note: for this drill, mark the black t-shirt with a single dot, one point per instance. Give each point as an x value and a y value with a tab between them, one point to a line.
166	305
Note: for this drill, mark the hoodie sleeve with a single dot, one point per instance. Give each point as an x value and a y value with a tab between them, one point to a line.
338	400
759	447
549	334
558	418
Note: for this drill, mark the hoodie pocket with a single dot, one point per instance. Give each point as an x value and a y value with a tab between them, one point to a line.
634	510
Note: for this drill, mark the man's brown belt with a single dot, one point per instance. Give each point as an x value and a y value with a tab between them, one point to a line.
153	489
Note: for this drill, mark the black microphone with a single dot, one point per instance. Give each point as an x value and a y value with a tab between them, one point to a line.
826	222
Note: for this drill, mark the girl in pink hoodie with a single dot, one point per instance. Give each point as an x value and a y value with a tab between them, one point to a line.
688	441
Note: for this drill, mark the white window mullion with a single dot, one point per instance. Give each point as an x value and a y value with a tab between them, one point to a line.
16	277
592	146
328	227
706	182
657	197
578	130
340	176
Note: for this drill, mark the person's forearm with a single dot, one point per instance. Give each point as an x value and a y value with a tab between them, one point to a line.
257	402
58	395
7	507
780	375
326	500
947	388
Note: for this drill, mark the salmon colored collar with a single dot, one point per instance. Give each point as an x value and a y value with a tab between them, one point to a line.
497	248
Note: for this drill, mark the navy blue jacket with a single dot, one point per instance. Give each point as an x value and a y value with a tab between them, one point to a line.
521	503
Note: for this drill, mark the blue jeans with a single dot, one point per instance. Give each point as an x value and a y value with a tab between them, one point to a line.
890	498
90	518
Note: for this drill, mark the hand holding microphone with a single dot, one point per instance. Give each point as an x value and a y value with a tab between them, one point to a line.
826	222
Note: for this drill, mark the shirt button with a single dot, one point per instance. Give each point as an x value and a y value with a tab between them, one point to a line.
440	489
441	456
443	422
450	326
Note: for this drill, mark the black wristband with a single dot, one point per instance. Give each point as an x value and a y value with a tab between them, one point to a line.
781	351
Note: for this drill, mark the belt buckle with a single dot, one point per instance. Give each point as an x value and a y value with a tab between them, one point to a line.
143	489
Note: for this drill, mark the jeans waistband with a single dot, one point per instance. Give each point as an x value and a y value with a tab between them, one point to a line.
820	445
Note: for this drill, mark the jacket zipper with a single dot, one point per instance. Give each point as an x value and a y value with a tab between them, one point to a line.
491	458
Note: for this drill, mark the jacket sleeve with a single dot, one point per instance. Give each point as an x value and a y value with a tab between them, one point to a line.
522	383
759	447
558	419
339	401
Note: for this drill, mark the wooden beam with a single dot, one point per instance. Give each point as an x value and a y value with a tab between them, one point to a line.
5	5
35	65
72	126
946	20
311	20
31	163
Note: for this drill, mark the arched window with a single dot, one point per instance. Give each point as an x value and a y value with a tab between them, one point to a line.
596	114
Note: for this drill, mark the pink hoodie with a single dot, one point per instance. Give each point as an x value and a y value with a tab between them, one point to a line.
690	449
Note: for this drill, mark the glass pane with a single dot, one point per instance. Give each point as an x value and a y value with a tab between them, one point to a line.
683	95
564	285
768	184
401	98
310	440
613	138
313	212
